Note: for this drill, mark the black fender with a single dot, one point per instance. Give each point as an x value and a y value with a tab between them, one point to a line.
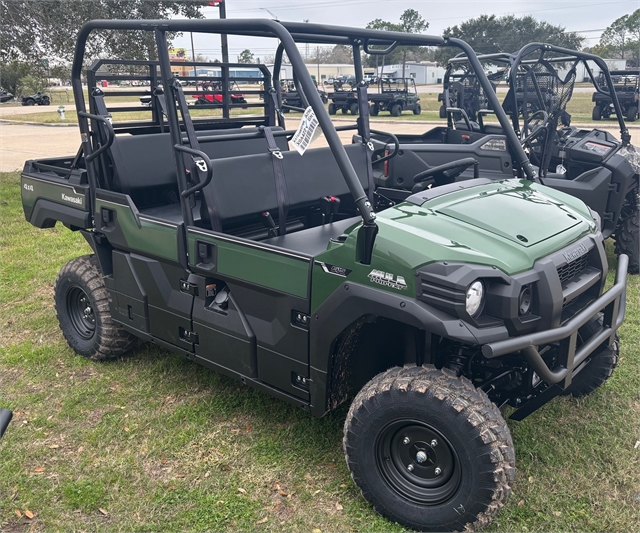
353	301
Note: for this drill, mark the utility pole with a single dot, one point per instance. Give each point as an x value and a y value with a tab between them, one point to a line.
221	5
193	53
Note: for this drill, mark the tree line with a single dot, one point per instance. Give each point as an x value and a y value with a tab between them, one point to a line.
37	39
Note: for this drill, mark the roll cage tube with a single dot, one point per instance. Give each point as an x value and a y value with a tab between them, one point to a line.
583	56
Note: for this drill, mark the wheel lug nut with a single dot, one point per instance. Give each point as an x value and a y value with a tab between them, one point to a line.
434	443
438	471
410	468
406	441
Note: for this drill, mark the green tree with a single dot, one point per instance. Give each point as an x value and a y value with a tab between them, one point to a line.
488	34
616	38
410	22
48	28
246	56
633	25
12	74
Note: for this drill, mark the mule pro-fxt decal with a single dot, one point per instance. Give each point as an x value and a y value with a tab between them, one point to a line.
387	279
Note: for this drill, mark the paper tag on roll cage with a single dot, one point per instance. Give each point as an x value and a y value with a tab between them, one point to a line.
307	131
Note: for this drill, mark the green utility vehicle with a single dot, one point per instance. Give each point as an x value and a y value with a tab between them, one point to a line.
290	273
626	85
395	95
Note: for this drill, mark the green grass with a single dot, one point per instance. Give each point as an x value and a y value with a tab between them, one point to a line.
161	444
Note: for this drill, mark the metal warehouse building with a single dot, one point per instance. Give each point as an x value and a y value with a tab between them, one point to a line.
425	73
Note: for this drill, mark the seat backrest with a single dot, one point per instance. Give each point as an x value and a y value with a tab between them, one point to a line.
244	187
144	166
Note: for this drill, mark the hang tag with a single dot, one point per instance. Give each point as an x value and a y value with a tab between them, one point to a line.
307	131
561	170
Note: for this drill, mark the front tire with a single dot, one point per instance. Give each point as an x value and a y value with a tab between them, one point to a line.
332	109
632	113
82	308
373	110
396	110
354	109
417	109
428	450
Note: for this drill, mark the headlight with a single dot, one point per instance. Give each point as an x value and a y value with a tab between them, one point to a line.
475	295
524	301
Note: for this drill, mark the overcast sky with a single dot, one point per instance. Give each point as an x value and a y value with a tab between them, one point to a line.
589	17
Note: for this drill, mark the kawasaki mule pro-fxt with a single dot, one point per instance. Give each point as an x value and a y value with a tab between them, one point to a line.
283	271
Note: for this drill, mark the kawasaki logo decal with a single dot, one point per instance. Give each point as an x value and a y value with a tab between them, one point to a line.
386	279
74	199
572	255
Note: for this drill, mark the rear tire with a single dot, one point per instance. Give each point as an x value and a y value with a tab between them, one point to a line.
596	114
417	109
408	422
601	366
354	109
45	101
374	110
632	113
82	308
332	109
628	241
443	111
30	101
396	110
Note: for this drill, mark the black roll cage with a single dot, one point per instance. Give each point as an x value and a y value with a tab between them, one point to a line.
521	59
582	57
288	34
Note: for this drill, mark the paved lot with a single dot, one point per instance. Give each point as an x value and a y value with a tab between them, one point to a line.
19	142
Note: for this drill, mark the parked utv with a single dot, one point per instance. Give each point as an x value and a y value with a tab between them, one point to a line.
289	271
5	96
291	96
591	165
626	84
395	95
343	98
38	98
461	89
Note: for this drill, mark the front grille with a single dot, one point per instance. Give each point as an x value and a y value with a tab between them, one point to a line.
572	269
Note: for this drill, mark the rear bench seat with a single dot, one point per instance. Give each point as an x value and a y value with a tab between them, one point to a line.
144	166
244	187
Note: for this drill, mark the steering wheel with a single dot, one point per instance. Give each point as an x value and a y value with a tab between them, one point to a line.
447	173
538	128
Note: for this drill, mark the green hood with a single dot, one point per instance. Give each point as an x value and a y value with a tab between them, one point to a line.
509	224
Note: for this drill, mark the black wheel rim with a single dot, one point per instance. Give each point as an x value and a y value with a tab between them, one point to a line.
81	312
418	462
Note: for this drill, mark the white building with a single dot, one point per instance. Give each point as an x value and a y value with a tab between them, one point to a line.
583	75
425	73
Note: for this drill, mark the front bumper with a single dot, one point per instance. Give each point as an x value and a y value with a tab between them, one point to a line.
611	303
